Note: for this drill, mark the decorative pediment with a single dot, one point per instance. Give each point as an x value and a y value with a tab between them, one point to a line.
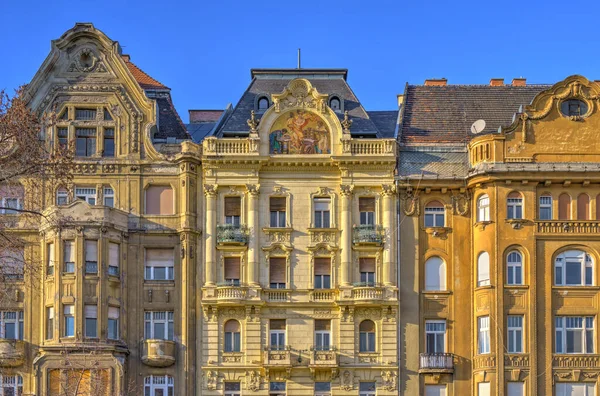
299	94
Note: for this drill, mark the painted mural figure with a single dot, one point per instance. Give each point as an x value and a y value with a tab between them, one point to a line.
299	132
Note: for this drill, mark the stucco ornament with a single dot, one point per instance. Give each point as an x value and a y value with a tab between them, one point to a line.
211	380
389	380
253	380
409	203
84	61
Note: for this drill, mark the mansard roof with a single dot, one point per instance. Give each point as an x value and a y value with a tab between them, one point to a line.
444	114
266	82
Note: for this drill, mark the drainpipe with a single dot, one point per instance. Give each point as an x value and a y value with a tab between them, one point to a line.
398	331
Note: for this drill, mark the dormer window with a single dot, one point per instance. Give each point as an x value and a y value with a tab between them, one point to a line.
263	103
574	108
85	114
335	103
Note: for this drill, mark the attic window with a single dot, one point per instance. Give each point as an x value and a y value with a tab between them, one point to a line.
335	103
574	108
107	116
263	103
85	114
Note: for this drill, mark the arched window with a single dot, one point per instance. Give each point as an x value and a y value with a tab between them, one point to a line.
263	103
335	103
564	207
367	336
483	269
514	206
574	268
435	274
434	214
546	207
583	207
514	268
233	340
483	208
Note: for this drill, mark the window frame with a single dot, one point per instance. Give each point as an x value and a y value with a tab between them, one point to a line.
149	271
436	335
108	193
167	387
483	208
586	263
279	336
87	194
17	322
514	333
322	218
367	340
483	335
232	340
434	216
50	315
277	392
62	197
113	324
322	338
151	320
12	383
367	218
69	320
514	268
278	218
441	272
483	281
371	391
232	392
514	206
90	327
547	206
587	333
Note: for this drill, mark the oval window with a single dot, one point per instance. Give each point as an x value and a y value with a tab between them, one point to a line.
574	107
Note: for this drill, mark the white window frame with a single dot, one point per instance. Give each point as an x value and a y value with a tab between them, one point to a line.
114	270
483	273
484	389
69	266
514	264
512	204
164	383
279	336
437	215
580	257
87	194
159	317
68	314
322	337
584	325
435	274
483	335
230	339
91	314
320	215
62	197
280	215
12	383
113	322
109	193
169	270
91	266
13	209
49	323
565	388
514	329
545	203
433	329
370	342
14	318
483	208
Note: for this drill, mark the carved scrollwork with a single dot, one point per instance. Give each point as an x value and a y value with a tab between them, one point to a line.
346	190
210	190
389	379
460	203
409	201
299	93
253	380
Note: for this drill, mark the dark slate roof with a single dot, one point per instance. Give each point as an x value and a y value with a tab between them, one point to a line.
199	130
385	121
326	81
433	164
444	114
169	123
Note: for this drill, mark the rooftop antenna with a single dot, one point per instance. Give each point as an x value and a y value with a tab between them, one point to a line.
298	58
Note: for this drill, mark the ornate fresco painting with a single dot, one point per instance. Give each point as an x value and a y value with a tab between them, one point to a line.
299	132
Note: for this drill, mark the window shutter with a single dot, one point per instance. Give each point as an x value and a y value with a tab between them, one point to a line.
232	268
367	264
233	206
69	252
322	325
277	269
159	200
160	257
91	311
113	313
113	254
277	204
366	205
91	250
277	324
321	204
322	266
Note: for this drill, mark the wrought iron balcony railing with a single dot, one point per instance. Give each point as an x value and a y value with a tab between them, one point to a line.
367	234
230	233
436	362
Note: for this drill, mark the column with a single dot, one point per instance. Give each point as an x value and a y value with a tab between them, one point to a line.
210	191
253	255
388	227
346	236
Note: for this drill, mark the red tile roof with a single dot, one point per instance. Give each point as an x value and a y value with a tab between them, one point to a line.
145	81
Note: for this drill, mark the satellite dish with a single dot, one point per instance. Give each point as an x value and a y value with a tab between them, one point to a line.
478	127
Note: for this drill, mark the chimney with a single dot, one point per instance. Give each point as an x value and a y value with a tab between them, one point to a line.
496	82
519	82
126	57
436	82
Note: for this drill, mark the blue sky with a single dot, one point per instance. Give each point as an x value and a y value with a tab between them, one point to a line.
204	50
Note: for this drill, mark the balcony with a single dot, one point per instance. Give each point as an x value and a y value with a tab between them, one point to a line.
230	293
12	353
230	234
279	358
436	363
367	234
324	358
366	292
277	295
322	295
159	353
568	227
573	361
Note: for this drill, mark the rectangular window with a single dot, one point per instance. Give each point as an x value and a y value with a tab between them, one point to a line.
483	208
322	208
109	143
515	333
49	323
12	264
514	208
277	272
91	321
575	389
574	334
483	340
91	257
158	325
322	388
113	259
366	208
109	197
322	273
277	209
233	389
11	205
159	200
367	389
11	325
322	334
113	323
69	323
11	385
277	389
435	336
86	194
85	114
85	143
434	216
49	259
574	268
69	257
232	271
546	207
62	197
233	210
63	137
435	390
483	389
515	389
159	385
160	264
367	271
277	334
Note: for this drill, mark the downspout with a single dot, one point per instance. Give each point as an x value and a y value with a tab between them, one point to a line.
399	338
